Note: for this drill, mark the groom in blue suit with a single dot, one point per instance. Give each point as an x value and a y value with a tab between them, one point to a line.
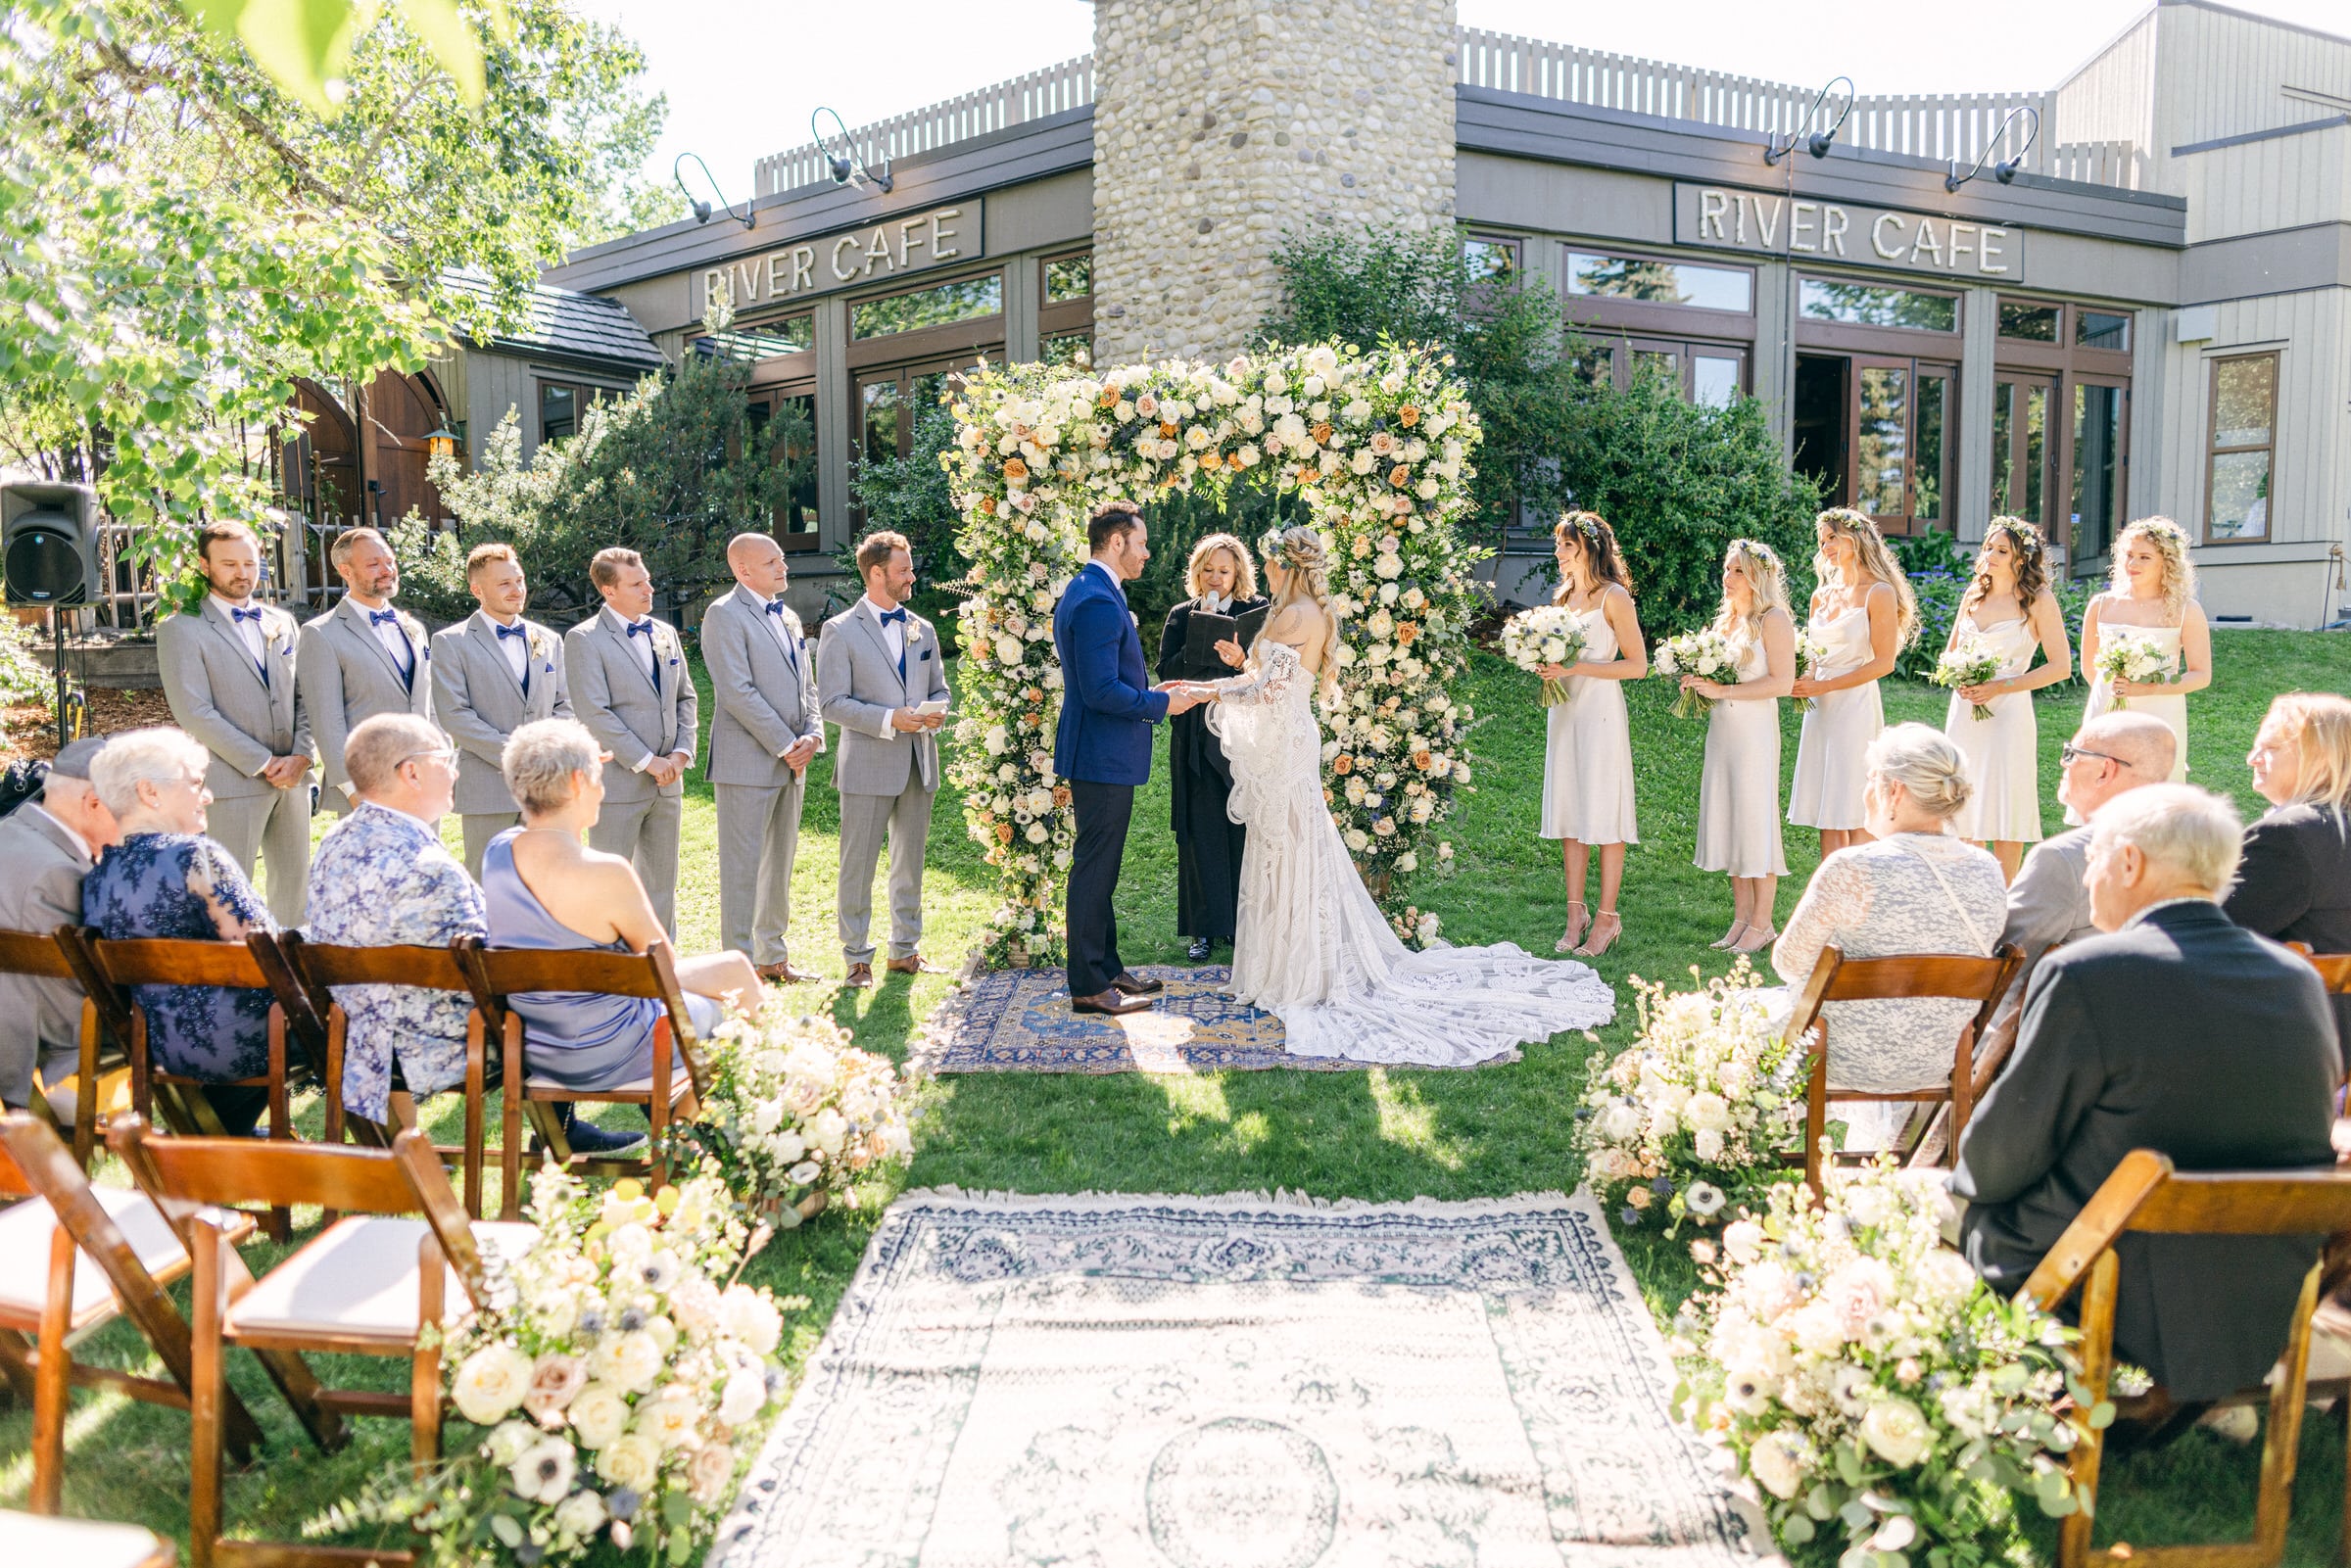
1104	747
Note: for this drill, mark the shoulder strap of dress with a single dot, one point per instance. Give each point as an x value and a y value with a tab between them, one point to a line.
1975	932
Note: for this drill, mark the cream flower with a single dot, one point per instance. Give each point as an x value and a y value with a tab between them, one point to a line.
544	1472
491	1383
1898	1432
629	1360
1778	1462
635	1462
751	1319
599	1414
743	1398
669	1419
582	1514
555	1381
709	1473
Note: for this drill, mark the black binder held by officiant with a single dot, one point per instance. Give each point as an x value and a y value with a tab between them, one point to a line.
1205	629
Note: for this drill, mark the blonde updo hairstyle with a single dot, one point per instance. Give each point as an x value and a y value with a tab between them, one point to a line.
1767	577
1244	565
2170	542
1929	766
1876	562
1299	549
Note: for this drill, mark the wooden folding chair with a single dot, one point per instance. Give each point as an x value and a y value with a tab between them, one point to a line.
54	956
375	1282
1838	978
84	1542
317	968
2145	1196
499	974
2335	968
73	1259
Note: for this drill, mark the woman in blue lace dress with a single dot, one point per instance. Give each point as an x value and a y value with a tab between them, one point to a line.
166	879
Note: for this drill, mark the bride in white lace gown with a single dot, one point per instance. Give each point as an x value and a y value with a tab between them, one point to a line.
1312	948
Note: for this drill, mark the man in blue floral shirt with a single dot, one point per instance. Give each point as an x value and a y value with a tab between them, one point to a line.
382	878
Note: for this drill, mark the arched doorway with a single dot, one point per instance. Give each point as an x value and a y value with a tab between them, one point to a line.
399	411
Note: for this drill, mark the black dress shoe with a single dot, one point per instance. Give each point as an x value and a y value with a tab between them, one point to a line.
1109	1002
1133	984
1200	949
587	1138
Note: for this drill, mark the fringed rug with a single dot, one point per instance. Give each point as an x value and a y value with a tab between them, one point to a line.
1236	1382
1018	1021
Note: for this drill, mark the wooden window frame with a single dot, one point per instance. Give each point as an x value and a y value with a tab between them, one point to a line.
1623	346
1650	319
767	397
1062	319
584	395
978	333
2214	450
1902	342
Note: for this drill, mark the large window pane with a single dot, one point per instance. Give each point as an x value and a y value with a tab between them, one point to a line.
1069	277
1714	380
751	344
1934	394
2005	396
2241	496
2097	467
559	412
961	300
2030	323
2101	329
1489	260
1883	427
880	409
1595	365
2037	451
1623	277
1658	362
1866	305
2244	396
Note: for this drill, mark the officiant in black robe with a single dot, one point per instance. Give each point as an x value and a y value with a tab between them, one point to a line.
1223	580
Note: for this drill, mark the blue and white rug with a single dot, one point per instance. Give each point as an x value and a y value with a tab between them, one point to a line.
1236	1382
1018	1021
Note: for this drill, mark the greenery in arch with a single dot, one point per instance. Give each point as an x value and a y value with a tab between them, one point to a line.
1376	448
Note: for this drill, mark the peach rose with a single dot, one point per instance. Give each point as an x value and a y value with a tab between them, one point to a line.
1015	471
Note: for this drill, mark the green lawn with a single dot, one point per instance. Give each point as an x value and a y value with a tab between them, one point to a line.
1378	1135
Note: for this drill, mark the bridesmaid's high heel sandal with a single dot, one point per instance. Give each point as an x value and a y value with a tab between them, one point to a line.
1755	941
1730	938
1604	931
1578	919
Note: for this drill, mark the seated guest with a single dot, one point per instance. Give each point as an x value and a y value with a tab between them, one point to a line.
379	879
2049	902
544	889
2177	1031
1911	887
48	845
2294	883
166	878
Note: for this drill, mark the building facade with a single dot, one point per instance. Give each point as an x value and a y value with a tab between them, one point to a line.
2149	314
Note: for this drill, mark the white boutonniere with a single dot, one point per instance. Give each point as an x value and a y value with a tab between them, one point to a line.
914	632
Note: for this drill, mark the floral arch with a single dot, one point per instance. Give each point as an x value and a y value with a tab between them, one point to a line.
1378	445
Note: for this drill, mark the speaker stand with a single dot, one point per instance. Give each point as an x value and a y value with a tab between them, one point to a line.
57	656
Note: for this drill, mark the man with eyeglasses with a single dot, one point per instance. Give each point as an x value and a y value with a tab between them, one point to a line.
2049	903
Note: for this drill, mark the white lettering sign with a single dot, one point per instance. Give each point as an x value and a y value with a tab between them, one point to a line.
1783	225
845	260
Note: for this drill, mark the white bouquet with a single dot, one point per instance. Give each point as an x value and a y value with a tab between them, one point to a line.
796	1116
1968	661
1696	1109
2124	657
1883	1398
1811	652
1705	653
1548	634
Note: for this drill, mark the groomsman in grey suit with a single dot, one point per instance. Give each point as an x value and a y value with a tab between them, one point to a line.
631	688
362	657
230	676
879	662
493	673
766	727
48	846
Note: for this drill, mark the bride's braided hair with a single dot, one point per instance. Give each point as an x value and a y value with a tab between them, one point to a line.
1299	549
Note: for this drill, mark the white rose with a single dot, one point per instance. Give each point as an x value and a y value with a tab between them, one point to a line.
635	1462
766	1117
1868	1206
631	1362
751	1319
599	1413
1898	1432
1408	861
744	1397
1777	1461
710	1472
1817	1329
509	1442
582	1514
829	1127
668	1420
1619	1122
491	1383
1945	1275
1357	839
1706	1113
1708	1145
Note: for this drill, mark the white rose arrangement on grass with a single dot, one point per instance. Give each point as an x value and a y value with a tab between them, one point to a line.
1705	653
1968	661
2125	657
1377	446
796	1116
1548	634
1691	1116
1882	1400
615	1381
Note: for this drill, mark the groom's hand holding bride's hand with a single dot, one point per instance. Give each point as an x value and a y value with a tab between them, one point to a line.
1184	696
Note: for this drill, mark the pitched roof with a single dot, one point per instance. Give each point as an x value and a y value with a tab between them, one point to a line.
575	326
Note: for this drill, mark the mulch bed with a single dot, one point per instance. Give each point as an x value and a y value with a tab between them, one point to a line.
28	730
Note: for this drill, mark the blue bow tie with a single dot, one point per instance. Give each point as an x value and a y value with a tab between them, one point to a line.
253	615
898	614
383	617
775	606
643	629
505	632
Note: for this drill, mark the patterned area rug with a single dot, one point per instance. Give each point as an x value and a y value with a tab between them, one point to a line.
1236	1382
1018	1021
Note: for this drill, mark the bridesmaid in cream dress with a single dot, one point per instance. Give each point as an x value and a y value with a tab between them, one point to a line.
1588	754
1739	790
2152	599
1864	613
2008	608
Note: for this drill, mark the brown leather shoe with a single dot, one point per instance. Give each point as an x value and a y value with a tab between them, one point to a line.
1110	1002
913	963
782	974
861	977
1133	984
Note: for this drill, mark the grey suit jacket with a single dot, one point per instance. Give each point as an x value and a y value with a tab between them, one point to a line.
219	695
41	891
2050	901
478	701
763	705
348	676
860	687
612	695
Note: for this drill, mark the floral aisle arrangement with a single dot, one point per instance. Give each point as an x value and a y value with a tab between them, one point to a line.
1378	444
2124	657
1692	1115
1548	634
795	1115
1879	1395
1968	661
1705	653
1811	652
615	1377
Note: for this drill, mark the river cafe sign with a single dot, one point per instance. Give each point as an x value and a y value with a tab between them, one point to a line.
1839	231
911	244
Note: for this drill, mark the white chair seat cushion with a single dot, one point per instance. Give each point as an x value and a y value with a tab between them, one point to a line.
24	1232
26	1538
359	1279
681	1084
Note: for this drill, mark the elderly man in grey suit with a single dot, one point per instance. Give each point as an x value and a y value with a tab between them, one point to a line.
765	728
2110	755
879	664
230	675
48	846
362	657
631	687
493	673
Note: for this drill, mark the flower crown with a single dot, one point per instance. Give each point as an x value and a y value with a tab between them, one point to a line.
1271	545
1586	528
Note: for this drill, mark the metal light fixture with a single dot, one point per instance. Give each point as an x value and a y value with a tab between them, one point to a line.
1816	142
442	441
2006	171
703	208
847	169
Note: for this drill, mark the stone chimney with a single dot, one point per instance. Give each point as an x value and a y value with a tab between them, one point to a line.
1219	125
